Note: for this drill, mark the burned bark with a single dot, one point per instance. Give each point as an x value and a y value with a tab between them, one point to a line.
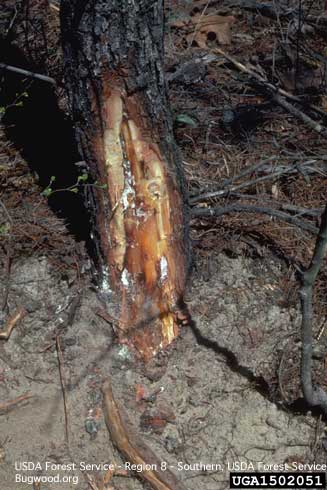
113	54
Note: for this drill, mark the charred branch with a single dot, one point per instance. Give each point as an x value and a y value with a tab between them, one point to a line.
248	208
279	95
270	172
314	395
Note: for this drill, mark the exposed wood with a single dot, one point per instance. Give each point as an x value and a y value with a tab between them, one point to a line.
134	449
114	72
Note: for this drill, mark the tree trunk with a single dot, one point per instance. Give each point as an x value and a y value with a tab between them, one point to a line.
113	53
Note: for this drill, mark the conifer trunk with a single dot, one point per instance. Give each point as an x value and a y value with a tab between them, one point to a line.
113	51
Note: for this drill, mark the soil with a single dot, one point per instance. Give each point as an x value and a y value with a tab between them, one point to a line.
227	393
214	398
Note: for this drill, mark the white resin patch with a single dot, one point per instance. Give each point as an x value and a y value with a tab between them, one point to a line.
125	278
128	195
105	287
163	268
140	213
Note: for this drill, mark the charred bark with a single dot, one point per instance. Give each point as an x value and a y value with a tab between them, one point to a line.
113	53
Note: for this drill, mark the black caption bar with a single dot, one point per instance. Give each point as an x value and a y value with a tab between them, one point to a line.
277	480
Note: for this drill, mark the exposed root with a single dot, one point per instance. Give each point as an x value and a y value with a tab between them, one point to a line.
132	448
12	322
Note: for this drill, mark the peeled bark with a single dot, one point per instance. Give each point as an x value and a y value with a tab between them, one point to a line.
113	54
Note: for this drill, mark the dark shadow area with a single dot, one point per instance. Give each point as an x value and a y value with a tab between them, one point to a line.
298	407
231	360
45	138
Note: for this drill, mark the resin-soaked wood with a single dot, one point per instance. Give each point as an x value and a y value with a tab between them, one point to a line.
144	234
113	55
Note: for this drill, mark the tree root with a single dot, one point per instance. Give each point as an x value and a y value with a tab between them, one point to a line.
133	449
314	395
12	322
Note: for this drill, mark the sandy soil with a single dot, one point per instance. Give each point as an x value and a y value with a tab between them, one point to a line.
215	397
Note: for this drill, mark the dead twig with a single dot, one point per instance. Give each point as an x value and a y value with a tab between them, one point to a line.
278	95
75	304
267	9
134	449
54	6
298	210
62	382
304	169
301	211
314	395
112	321
11	403
12	322
311	123
248	170
248	208
28	73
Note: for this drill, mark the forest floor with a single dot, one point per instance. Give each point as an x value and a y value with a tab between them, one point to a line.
228	391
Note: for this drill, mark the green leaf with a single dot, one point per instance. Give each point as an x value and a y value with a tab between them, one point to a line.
83	177
46	192
74	189
186	119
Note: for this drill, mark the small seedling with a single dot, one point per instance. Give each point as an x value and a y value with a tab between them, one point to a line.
81	181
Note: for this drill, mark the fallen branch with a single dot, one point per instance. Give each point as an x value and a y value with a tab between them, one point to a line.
300	115
225	192
278	95
10	404
27	73
283	206
12	322
248	170
132	448
305	169
302	211
267	9
248	208
314	395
